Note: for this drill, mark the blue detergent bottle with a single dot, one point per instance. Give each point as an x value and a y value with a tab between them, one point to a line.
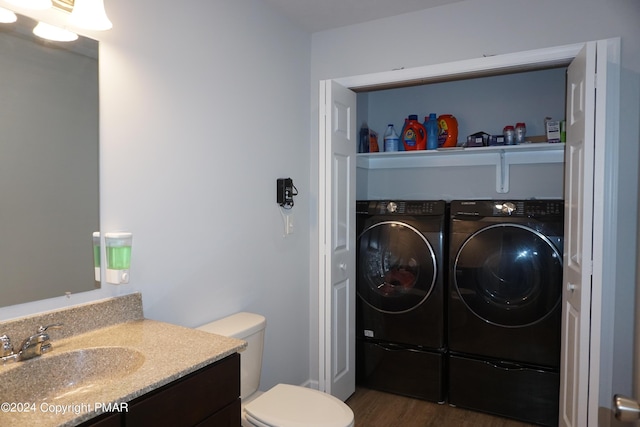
432	131
404	126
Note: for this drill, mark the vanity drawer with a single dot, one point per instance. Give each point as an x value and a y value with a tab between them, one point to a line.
226	417
104	420
192	399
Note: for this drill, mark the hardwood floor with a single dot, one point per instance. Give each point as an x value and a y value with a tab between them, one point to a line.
377	409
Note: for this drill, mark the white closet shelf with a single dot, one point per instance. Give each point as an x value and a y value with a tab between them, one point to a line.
499	156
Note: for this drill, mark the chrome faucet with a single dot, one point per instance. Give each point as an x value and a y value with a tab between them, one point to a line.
31	347
7	348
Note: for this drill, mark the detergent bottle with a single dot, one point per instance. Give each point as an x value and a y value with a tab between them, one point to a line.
404	126
414	135
391	139
431	125
448	136
363	145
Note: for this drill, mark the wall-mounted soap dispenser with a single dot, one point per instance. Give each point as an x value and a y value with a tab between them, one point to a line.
118	247
96	255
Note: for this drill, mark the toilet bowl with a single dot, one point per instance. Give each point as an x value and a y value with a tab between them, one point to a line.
284	405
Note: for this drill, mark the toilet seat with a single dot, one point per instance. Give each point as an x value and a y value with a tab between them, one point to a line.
294	406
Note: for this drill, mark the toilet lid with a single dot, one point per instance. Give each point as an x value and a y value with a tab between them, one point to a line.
293	406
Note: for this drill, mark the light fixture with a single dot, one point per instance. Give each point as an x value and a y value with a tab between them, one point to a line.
32	4
90	15
50	32
7	16
86	14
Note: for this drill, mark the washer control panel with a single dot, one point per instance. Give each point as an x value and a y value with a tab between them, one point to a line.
400	207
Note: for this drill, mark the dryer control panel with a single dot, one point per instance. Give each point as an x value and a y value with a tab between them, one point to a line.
510	208
400	207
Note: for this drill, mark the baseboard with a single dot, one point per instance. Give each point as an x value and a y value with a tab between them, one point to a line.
310	384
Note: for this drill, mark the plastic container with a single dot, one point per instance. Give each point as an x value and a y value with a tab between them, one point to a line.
521	132
448	131
401	145
96	255
414	135
431	125
118	247
363	145
509	135
391	139
373	141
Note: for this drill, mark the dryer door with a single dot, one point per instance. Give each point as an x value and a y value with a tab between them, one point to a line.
509	275
396	267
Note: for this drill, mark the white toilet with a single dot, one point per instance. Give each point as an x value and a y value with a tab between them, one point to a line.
283	405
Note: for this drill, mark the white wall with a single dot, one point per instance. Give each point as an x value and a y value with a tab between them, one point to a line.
471	29
203	106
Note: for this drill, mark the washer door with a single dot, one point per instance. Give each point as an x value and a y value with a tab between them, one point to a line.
509	275
396	267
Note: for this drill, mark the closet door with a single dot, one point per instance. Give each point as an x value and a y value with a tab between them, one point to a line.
336	224
579	159
591	233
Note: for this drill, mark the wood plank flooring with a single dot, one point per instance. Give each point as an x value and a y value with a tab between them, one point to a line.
377	409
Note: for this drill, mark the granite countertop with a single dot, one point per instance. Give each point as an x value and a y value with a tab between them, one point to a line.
156	353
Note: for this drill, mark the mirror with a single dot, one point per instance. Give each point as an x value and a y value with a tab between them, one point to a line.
49	202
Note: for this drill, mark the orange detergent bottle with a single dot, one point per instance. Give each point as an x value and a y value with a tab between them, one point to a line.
414	135
448	136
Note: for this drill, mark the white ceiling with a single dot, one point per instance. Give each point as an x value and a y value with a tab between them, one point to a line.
318	15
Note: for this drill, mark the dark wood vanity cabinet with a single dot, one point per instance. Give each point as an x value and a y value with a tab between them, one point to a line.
207	397
104	420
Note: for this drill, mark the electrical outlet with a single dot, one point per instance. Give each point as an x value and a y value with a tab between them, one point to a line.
288	225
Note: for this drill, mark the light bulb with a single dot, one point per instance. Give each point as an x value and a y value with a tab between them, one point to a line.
90	14
7	16
50	32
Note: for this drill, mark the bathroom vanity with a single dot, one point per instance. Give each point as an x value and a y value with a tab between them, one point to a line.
109	366
207	397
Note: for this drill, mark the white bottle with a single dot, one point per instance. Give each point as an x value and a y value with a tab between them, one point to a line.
391	139
521	131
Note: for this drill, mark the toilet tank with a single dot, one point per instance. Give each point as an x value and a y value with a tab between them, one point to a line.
249	327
